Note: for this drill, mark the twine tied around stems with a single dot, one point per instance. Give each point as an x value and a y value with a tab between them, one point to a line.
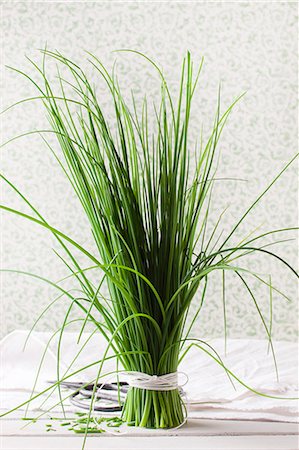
166	382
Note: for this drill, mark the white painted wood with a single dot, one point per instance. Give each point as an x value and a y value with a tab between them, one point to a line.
153	443
194	427
197	434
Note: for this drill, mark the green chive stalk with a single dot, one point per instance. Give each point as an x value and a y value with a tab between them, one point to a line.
149	215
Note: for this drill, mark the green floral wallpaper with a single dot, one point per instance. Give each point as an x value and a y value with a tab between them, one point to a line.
248	46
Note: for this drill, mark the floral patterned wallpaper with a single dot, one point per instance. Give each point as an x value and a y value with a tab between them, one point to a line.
248	46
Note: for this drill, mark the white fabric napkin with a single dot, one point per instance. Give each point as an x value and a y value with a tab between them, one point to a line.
209	392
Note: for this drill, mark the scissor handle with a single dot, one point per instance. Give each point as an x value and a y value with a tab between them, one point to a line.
122	386
80	404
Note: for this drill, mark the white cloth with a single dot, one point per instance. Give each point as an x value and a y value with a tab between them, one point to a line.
209	392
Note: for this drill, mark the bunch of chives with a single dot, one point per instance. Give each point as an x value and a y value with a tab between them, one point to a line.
148	214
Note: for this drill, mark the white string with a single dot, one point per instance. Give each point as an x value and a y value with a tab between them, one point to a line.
167	382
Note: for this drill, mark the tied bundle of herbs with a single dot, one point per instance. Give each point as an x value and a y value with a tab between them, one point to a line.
149	214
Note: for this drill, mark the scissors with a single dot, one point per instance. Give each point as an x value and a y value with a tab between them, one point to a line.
113	393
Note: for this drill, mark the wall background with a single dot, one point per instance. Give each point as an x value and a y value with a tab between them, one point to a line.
247	45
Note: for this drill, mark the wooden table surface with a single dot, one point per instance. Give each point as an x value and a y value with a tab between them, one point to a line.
196	434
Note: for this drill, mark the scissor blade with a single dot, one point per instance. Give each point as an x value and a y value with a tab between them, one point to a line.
72	384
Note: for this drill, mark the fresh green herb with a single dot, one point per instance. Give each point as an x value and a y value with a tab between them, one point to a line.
92	430
50	427
149	216
86	424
